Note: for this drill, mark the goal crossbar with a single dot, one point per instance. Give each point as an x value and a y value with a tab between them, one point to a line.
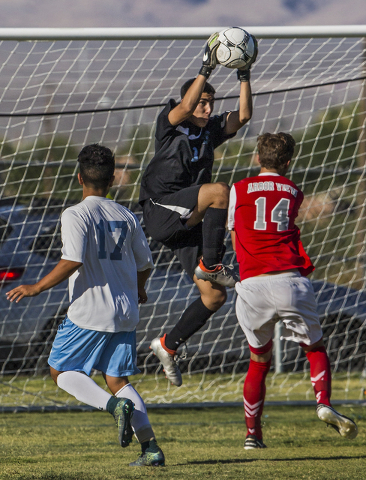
177	33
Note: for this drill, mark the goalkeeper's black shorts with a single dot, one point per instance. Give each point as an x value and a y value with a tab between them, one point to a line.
165	220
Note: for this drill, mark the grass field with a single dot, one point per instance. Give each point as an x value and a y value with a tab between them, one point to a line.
41	390
205	443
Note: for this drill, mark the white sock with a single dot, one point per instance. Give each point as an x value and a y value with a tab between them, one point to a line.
84	389
140	421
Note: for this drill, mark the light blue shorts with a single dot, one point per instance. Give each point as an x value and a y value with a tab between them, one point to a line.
81	350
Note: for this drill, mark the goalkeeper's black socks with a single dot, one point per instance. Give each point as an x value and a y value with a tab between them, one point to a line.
193	318
213	232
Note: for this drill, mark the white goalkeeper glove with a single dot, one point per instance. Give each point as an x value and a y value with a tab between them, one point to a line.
244	73
209	57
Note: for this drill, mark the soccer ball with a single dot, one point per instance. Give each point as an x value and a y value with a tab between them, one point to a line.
237	47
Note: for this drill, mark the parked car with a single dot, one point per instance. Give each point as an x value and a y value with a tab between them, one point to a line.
30	247
222	347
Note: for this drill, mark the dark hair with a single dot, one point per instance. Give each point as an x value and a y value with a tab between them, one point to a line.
275	149
96	166
207	89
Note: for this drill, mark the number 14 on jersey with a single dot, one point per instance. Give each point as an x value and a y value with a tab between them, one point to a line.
279	214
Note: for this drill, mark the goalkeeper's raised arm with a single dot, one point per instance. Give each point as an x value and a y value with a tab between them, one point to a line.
192	93
237	119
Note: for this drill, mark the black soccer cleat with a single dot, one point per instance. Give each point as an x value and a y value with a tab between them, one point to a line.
252	442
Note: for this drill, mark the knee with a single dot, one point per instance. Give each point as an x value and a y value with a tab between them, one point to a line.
116	383
216	194
222	194
314	346
54	374
222	188
261	354
215	299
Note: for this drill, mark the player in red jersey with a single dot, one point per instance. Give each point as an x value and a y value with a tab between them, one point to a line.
273	286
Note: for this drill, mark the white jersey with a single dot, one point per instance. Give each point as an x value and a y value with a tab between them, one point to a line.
108	239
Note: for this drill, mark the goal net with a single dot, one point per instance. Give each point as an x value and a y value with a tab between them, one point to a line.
62	89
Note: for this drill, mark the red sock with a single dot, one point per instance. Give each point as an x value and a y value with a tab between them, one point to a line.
320	374
254	393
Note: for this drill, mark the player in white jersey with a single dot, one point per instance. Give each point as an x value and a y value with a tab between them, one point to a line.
107	260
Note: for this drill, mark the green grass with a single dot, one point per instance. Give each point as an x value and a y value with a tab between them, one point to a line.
204	444
41	390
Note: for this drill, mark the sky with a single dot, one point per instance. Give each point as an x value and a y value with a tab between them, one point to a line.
180	13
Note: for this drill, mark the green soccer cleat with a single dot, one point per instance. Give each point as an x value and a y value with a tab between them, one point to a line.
122	414
152	456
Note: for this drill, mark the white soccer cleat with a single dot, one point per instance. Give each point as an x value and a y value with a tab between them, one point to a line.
222	274
344	425
170	366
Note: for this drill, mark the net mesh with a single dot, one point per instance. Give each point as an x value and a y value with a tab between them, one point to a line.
57	96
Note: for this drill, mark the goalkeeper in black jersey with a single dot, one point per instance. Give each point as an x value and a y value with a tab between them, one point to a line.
176	195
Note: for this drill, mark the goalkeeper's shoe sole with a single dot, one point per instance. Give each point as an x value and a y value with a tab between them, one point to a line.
252	442
342	424
122	415
222	274
153	456
170	366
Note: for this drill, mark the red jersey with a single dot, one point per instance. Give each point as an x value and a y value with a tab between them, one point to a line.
262	213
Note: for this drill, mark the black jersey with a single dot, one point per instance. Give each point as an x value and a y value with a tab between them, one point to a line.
184	155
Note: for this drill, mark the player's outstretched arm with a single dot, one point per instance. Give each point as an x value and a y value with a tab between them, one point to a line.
190	100
62	271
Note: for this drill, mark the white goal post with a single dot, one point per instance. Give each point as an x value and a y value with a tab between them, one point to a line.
61	89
